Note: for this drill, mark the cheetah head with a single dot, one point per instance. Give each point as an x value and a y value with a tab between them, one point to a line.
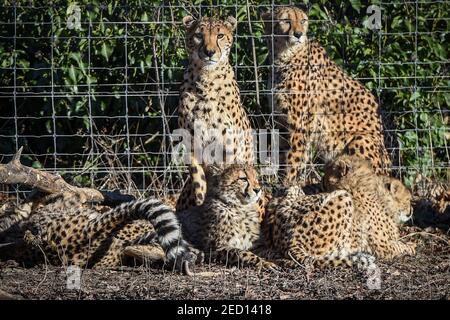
288	25
237	185
397	198
348	172
356	175
209	40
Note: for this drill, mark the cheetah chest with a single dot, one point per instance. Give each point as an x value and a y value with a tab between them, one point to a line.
242	229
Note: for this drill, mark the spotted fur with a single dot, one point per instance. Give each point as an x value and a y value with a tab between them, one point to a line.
67	232
226	226
210	99
318	104
357	217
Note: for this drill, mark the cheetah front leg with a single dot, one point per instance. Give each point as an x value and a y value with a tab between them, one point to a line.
194	190
390	249
297	157
397	249
241	258
333	259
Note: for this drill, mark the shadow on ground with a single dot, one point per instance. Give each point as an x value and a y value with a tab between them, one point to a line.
424	276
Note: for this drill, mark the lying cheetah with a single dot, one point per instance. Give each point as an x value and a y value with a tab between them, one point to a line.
322	107
379	202
226	226
358	216
66	231
210	100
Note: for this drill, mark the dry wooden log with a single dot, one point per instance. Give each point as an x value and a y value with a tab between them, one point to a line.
7	296
16	173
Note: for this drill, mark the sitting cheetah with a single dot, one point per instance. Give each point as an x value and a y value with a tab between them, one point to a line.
68	232
226	226
210	102
358	216
322	107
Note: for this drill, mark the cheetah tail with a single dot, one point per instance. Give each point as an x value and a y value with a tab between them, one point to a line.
163	219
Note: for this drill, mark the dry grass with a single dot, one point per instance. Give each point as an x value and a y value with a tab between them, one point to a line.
424	276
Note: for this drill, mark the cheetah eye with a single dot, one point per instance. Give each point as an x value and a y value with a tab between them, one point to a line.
287	22
243	178
220	36
303	21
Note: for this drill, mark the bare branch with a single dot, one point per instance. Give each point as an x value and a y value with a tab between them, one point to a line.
16	173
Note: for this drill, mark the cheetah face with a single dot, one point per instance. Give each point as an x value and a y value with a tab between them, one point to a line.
398	199
238	185
289	26
208	40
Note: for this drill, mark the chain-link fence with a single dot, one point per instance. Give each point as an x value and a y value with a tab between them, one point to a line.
90	88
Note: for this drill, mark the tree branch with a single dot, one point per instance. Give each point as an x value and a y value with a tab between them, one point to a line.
16	173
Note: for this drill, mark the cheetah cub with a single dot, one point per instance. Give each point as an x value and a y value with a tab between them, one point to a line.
321	107
380	204
358	216
210	102
226	227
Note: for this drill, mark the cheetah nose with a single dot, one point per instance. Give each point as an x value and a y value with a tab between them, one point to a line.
210	53
256	190
298	34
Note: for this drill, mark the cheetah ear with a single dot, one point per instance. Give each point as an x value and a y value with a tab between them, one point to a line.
231	23
212	170
393	185
266	16
388	185
344	168
304	7
189	21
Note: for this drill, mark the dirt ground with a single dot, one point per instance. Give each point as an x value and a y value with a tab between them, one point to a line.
424	276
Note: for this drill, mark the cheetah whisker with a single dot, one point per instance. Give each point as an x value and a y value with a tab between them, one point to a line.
295	260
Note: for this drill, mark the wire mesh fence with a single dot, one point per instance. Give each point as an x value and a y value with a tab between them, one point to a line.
90	88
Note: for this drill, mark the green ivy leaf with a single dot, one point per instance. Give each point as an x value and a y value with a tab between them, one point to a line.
106	51
356	4
36	165
72	74
414	96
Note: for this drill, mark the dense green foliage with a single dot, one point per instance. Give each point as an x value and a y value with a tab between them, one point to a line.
136	48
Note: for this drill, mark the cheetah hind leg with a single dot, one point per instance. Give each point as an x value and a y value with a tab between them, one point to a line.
146	253
371	148
147	250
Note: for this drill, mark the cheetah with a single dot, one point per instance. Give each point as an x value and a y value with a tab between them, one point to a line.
379	201
355	219
210	102
226	227
316	102
66	231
